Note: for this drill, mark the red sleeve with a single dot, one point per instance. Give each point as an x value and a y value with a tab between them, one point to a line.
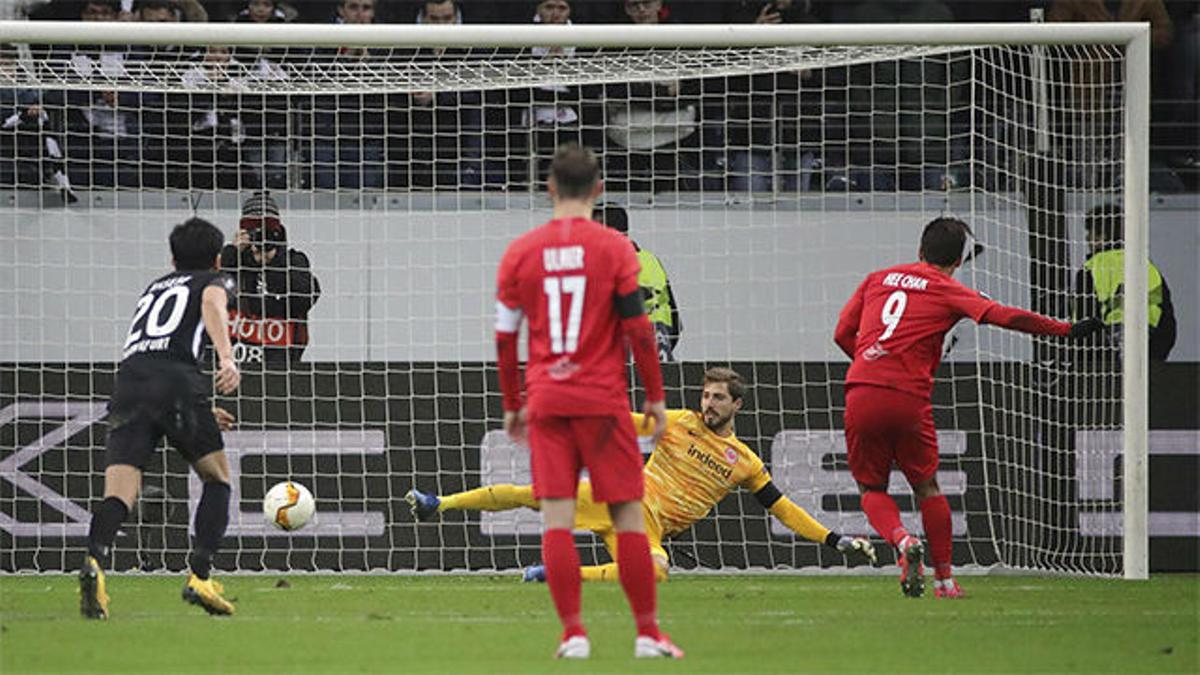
1023	321
506	279
510	376
968	302
846	333
640	334
506	342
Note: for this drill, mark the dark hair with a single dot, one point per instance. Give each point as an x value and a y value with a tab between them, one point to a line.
1106	221
157	4
613	216
943	240
731	379
422	4
575	171
195	244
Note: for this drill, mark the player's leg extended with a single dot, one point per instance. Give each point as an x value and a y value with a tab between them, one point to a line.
555	463
634	565
561	559
869	448
654	537
591	516
212	517
594	516
503	497
917	457
878	423
614	461
884	516
122	482
609	571
636	569
500	497
935	515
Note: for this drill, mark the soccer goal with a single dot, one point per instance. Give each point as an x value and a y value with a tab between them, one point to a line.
768	167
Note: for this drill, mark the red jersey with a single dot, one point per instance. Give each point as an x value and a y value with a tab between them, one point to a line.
896	322
565	277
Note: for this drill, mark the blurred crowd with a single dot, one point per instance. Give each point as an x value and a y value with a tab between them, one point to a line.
893	125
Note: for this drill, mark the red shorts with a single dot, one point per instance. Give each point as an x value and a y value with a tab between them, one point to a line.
885	427
605	444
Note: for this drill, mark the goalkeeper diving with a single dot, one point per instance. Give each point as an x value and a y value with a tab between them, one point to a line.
696	464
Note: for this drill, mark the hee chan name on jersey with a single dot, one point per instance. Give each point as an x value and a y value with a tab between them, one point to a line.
908	281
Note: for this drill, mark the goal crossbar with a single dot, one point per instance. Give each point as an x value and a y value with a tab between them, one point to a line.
596	35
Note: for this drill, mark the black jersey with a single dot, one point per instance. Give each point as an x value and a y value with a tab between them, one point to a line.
167	323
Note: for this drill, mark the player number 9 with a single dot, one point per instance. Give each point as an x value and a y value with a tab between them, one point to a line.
893	309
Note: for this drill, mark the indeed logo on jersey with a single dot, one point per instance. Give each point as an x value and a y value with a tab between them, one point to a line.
708	461
908	281
562	259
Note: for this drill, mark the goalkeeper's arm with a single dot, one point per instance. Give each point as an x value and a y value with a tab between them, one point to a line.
797	520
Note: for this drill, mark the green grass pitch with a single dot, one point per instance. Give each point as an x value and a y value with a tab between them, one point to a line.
727	624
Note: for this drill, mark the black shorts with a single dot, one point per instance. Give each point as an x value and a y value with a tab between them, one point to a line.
156	399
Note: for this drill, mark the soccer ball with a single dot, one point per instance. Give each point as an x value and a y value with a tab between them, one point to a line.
288	505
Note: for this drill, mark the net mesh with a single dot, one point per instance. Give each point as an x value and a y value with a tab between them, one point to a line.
767	180
309	70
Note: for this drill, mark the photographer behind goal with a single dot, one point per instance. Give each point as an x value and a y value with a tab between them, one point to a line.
275	288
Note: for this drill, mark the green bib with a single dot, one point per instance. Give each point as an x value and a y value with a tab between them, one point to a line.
1108	277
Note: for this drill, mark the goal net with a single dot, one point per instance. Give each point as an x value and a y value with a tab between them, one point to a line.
769	169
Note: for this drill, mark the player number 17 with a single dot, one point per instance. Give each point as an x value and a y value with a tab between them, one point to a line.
555	287
893	309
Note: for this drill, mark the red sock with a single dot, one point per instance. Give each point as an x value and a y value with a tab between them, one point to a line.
562	576
935	514
884	515
636	570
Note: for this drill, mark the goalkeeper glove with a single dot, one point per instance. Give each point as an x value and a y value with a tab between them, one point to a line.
846	544
1082	329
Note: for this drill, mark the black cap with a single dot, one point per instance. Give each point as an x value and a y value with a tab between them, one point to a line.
613	216
260	217
260	205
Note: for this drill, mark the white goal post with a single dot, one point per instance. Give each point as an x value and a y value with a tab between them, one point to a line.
501	57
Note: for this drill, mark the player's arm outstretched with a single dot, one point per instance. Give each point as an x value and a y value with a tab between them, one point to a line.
799	521
1033	323
983	310
213	309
